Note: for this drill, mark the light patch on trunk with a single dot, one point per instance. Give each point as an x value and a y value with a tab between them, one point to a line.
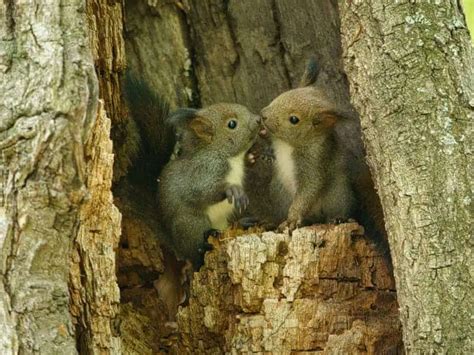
220	212
285	164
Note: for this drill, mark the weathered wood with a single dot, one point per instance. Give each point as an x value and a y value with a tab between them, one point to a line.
319	290
93	286
411	73
251	51
49	97
158	49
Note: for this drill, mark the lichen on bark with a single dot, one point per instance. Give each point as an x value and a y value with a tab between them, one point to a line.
410	69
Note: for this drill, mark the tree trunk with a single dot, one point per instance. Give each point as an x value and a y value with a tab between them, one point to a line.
411	77
49	99
326	289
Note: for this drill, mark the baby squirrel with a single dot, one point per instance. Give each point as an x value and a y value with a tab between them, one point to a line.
310	182
201	188
320	173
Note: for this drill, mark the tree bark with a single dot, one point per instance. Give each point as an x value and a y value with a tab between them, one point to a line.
233	51
323	290
95	295
411	78
319	290
49	98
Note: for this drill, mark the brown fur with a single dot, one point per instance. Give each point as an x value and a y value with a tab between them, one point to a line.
311	179
328	153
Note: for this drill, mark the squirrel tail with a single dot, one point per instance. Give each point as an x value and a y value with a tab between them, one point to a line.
148	114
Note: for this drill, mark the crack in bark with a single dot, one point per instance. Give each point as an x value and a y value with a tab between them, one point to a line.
9	16
235	44
281	47
189	43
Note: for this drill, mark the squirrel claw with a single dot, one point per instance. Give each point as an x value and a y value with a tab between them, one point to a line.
237	195
212	233
264	153
338	220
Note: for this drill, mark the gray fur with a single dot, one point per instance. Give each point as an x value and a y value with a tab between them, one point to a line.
197	178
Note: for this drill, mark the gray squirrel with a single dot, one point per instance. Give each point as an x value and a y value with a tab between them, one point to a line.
201	188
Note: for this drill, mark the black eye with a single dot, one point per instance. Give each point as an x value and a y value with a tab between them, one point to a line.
294	119
232	124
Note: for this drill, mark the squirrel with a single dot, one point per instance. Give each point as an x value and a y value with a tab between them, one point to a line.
310	180
201	188
311	166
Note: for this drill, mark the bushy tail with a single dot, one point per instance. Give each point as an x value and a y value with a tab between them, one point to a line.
148	110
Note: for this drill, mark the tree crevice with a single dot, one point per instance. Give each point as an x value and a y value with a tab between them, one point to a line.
281	47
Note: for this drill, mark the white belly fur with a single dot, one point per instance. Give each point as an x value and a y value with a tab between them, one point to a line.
285	165
220	212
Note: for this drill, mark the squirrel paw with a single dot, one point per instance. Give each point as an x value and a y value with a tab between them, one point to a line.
251	158
268	154
338	220
291	225
248	222
263	153
212	233
205	247
236	194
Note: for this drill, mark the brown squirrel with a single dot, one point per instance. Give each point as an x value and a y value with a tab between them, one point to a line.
310	167
201	188
319	173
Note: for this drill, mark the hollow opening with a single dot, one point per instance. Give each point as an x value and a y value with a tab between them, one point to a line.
194	54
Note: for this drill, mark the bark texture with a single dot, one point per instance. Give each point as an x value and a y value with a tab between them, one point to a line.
411	77
49	97
321	290
232	51
95	295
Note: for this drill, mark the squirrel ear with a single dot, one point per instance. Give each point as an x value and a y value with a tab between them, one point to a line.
311	73
181	116
328	118
202	128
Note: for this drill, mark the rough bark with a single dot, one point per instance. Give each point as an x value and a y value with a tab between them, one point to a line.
321	290
411	77
95	294
49	97
157	46
238	51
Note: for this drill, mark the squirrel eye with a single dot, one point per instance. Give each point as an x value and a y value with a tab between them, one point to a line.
232	124
294	119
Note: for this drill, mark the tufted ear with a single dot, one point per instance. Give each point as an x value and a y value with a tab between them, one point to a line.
311	73
328	118
181	116
202	128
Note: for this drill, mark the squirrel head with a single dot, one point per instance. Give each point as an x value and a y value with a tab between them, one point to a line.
227	128
297	116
